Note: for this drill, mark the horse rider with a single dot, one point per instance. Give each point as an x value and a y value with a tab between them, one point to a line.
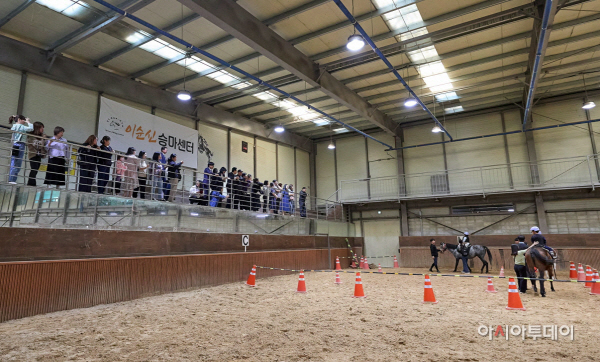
464	244
536	235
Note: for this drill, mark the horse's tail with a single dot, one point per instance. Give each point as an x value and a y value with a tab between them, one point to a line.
489	253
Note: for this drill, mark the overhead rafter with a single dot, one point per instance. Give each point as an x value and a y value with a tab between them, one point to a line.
542	25
15	12
240	23
95	26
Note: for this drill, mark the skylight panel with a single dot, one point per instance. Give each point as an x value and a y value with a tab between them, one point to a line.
241	85
56	5
444	97
320	122
152	46
168	52
454	109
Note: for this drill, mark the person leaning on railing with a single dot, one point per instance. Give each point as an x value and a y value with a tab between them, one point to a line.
36	150
302	201
131	173
20	125
58	154
174	175
104	163
87	160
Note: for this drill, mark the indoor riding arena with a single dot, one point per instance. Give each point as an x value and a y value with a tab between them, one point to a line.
299	180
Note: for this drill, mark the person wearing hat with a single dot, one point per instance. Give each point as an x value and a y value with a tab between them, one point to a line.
536	235
207	175
520	267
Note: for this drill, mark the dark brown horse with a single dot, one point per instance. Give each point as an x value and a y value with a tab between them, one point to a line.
540	258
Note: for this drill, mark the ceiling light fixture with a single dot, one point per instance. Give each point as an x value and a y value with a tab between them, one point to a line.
184	95
279	129
589	105
355	41
331	145
410	102
436	129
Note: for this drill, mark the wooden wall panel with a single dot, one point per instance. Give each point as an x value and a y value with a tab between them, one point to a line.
30	288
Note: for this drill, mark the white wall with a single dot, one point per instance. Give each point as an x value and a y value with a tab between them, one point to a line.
266	160
285	165
9	92
216	141
325	165
239	159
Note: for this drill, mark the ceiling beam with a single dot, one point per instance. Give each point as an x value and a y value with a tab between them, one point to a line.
240	23
285	15
542	26
15	12
95	26
25	57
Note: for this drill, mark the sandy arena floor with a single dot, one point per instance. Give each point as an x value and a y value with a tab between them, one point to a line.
273	323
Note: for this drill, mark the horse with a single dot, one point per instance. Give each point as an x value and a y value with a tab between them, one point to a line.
541	259
474	251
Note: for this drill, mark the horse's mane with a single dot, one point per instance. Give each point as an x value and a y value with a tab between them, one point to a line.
451	246
539	253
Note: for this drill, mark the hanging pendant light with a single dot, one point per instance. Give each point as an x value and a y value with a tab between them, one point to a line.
436	129
410	102
184	95
587	104
355	41
331	145
279	129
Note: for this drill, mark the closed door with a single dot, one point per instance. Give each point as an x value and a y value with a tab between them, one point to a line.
381	238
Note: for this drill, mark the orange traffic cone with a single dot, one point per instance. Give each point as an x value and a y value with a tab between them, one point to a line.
514	300
337	278
358	287
337	263
428	296
490	286
588	277
501	271
366	264
396	262
252	277
596	286
379	270
580	273
362	262
572	271
353	263
301	283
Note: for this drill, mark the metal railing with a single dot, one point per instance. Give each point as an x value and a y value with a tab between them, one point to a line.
564	173
82	170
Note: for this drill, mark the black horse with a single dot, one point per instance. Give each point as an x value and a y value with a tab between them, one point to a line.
474	251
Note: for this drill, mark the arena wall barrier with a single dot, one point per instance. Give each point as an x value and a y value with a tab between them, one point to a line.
37	287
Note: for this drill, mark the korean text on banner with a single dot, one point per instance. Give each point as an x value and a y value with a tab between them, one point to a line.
130	127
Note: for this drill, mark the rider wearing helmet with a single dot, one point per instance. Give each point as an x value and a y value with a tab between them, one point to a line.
536	235
464	245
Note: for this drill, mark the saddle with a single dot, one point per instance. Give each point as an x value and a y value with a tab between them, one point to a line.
551	251
465	249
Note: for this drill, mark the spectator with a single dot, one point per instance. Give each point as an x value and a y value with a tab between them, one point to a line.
174	175
36	145
155	175
58	154
285	200
20	127
265	196
255	195
104	163
120	168
302	201
273	197
208	173
292	200
245	194
231	177
279	188
216	197
225	182
87	159
434	255
131	173
142	176
196	193
163	161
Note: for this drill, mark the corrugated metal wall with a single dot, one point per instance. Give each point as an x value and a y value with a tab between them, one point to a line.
303	174
325	171
239	159
285	164
266	160
30	288
59	104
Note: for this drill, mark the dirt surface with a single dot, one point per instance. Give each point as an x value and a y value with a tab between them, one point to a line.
273	323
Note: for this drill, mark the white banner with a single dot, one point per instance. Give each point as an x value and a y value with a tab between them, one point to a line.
130	127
